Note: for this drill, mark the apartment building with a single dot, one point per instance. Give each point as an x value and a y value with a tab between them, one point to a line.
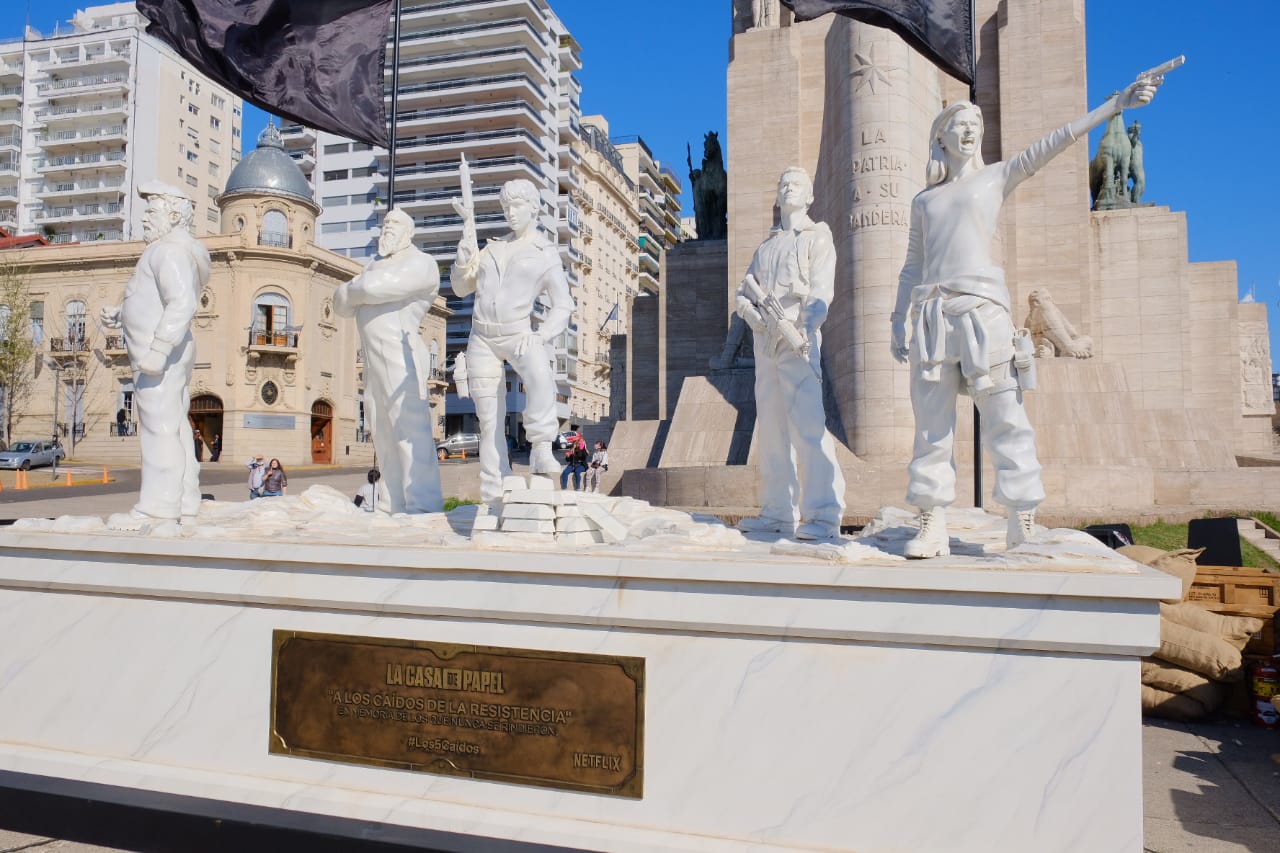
492	79
89	114
608	229
658	191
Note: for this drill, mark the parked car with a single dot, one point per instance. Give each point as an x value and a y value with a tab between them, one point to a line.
565	439
458	444
31	454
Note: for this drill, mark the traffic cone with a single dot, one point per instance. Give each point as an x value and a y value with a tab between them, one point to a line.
105	478
68	476
20	479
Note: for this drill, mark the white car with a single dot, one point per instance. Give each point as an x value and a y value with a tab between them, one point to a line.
26	455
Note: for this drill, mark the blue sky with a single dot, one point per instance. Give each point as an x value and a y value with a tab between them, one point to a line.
657	69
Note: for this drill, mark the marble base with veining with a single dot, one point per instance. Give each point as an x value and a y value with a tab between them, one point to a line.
791	703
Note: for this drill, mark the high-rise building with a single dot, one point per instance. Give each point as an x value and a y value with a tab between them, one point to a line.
88	115
608	227
494	79
658	191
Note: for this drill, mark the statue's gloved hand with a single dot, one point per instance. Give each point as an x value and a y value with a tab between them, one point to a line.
899	344
110	316
152	364
1137	94
531	339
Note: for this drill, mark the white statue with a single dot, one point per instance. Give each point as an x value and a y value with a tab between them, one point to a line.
159	305
784	298
1052	334
389	300
506	278
963	336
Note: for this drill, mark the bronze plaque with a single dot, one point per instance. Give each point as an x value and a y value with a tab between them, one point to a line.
557	719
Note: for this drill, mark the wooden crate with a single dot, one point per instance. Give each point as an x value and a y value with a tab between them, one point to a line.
1237	591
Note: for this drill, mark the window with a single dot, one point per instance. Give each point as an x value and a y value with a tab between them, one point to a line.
361	146
271	319
193	157
193	109
365	172
336	175
334	200
217	101
333	228
76	316
275	229
37	321
337	149
212	191
211	215
192	182
215	123
213	169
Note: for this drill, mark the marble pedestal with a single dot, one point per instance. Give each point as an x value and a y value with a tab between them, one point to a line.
791	703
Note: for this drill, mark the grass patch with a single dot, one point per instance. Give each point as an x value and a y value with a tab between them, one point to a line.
1170	537
450	504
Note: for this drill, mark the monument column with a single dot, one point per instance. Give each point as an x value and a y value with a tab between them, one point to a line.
881	99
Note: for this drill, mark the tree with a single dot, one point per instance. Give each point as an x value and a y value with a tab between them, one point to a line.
18	346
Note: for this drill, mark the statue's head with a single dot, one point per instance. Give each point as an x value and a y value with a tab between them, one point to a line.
1039	298
1135	129
167	208
397	232
520	202
795	189
956	133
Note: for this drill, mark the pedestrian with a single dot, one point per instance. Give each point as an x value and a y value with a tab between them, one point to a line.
257	473
374	496
199	440
599	464
274	483
215	449
575	464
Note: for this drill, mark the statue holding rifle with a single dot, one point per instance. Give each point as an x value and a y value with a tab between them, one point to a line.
507	277
955	299
784	298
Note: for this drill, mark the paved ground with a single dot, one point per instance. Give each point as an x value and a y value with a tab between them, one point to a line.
1208	788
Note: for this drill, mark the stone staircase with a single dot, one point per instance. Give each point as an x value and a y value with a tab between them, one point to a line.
1260	536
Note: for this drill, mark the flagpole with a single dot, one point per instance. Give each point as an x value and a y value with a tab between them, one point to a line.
395	109
973	99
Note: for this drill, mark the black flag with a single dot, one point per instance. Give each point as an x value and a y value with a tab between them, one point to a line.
940	29
316	62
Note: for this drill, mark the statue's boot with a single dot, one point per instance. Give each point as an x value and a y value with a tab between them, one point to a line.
818	530
932	540
1022	524
542	460
764	524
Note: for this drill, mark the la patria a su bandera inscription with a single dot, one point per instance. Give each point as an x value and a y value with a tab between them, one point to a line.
554	719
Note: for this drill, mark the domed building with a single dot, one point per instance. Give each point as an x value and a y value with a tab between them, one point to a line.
277	371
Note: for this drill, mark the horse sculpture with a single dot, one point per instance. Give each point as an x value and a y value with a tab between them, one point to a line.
1109	170
710	190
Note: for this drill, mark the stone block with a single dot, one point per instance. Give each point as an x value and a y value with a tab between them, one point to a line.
527	525
513	483
537	512
485	522
539	483
579	538
572	525
612	529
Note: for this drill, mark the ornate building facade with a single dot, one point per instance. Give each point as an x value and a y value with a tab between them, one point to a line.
277	371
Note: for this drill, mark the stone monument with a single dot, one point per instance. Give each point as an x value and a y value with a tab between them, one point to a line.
1051	332
389	300
507	277
159	305
710	187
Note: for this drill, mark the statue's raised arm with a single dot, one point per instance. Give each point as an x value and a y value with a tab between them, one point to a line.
953	298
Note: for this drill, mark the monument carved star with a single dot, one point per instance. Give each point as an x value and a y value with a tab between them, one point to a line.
868	73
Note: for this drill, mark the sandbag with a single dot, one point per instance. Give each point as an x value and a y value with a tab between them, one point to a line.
1171	706
1199	652
1175	679
1180	563
1236	630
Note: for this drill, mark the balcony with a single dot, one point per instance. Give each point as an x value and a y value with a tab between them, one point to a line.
72	348
11	117
123	429
467	117
11	141
72	188
275	239
65	429
9	192
74	137
81	213
274	340
113	344
100	58
9	166
94	82
10	96
71	162
75	112
298	133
